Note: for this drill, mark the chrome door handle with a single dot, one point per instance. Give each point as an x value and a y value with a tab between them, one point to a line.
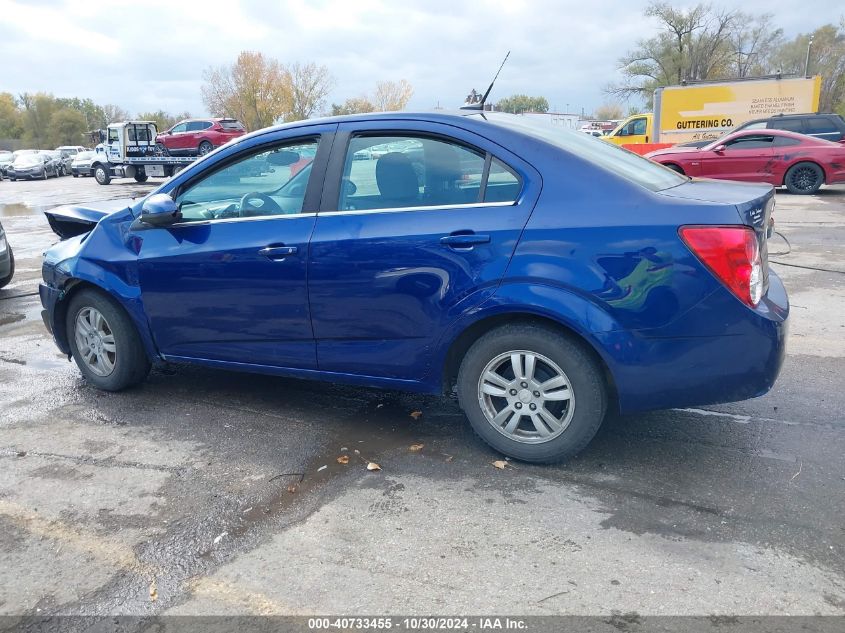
278	253
464	240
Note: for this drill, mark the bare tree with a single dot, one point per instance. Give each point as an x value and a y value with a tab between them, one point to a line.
256	90
392	95
609	111
754	41
309	86
115	113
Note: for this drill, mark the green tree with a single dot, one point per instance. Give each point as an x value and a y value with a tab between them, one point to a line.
355	105
11	123
95	116
517	104
827	58
67	127
38	109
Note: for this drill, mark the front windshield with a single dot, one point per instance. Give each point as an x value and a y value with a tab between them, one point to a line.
83	156
606	155
28	159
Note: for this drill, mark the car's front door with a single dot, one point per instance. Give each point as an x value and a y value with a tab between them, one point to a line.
408	238
746	158
177	138
228	282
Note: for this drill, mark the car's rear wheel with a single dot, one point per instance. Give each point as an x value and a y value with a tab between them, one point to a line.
675	168
101	175
104	342
804	178
204	148
8	278
532	393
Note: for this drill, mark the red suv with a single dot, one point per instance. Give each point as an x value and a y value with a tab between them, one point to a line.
197	137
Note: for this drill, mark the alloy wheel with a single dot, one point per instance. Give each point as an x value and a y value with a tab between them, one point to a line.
804	178
526	396
95	341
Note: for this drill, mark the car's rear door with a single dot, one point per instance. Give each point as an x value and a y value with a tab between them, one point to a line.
406	242
228	282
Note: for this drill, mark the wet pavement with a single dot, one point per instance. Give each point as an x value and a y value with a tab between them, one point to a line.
219	493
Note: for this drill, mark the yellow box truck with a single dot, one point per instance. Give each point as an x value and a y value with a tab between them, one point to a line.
707	110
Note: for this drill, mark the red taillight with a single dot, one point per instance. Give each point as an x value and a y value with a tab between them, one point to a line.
732	254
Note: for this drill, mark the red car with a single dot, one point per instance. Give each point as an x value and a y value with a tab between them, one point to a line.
801	163
197	137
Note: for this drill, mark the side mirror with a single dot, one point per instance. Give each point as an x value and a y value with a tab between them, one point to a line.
160	210
719	149
282	158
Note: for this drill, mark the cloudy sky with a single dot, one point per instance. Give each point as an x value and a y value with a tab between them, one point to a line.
151	54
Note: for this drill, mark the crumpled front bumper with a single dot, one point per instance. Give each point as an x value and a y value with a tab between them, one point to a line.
50	298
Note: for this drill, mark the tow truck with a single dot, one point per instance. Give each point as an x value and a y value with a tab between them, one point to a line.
128	150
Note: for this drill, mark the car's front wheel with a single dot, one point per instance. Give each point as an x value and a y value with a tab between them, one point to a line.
101	175
532	393
8	278
104	342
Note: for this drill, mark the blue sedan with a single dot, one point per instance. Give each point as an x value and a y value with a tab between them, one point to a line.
545	276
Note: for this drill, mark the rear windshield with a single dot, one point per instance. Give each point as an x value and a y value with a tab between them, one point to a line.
232	125
630	166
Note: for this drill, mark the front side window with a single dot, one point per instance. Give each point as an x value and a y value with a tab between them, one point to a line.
113	136
752	141
179	128
267	182
638	127
394	172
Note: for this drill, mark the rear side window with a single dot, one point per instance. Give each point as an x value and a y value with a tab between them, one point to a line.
232	125
790	125
196	126
392	172
821	125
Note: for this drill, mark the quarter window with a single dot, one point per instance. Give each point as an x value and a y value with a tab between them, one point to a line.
393	172
266	182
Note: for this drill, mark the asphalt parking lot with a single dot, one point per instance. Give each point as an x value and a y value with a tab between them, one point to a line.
208	492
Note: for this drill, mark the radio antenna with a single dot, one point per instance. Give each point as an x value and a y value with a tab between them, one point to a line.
480	105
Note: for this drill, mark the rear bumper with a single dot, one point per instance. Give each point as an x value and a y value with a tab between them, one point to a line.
660	372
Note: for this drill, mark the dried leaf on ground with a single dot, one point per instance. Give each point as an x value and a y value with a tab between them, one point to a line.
501	464
415	448
292	488
416	414
343	459
153	591
373	466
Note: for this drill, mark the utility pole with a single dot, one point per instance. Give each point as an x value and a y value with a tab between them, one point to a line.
807	61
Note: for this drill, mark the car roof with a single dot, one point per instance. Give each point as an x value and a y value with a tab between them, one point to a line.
776	132
779	117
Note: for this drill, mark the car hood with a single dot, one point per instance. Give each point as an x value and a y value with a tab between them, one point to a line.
76	219
673	150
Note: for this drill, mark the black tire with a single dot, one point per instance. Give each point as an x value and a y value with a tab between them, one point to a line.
44	174
13	179
675	168
204	148
76	175
131	364
8	278
804	178
587	381
140	177
101	174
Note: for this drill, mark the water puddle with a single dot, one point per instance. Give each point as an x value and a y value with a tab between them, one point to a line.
16	208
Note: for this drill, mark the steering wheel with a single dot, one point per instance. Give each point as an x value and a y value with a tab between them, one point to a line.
259	203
